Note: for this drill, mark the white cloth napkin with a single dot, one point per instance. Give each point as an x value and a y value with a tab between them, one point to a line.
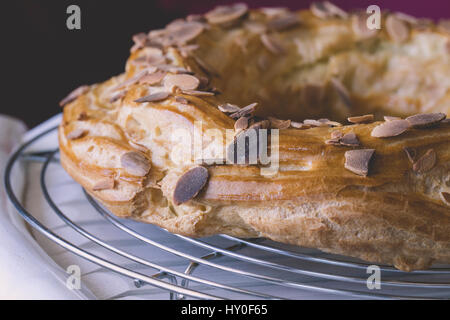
26	272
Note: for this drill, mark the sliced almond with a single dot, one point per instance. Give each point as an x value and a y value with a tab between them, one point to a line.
198	93
279	124
283	22
342	91
272	44
390	118
299	125
182	81
190	184
426	162
425	120
104	184
152	78
336	134
397	29
244	111
445	196
181	100
350	140
228	108
361	119
322	123
153	97
77	134
390	129
359	26
357	161
182	34
411	153
241	124
335	138
73	95
263	124
117	95
226	14
135	163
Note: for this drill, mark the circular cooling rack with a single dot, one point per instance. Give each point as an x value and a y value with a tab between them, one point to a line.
218	267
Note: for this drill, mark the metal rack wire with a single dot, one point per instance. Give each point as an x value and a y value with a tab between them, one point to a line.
254	268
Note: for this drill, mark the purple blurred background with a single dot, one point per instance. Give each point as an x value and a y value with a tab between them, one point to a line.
43	61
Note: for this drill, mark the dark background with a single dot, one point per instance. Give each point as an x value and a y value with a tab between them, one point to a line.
43	60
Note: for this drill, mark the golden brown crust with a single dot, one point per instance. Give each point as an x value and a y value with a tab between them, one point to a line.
311	68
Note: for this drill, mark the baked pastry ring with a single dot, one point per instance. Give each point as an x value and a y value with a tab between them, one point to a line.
379	191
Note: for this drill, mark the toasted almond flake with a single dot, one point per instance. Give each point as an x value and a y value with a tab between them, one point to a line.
411	153
104	184
322	123
334	142
117	95
140	39
299	125
198	93
279	124
445	196
226	14
255	27
228	108
152	78
397	29
425	120
132	80
241	124
336	134
263	124
272	44
153	97
350	140
361	119
390	118
335	10
342	91
390	129
190	184
319	10
444	25
407	18
357	161
272	12
335	138
182	33
135	163
77	134
283	22
73	95
359	26
182	81
244	111
426	162
181	100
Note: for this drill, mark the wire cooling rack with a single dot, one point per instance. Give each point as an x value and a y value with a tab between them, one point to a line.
218	267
